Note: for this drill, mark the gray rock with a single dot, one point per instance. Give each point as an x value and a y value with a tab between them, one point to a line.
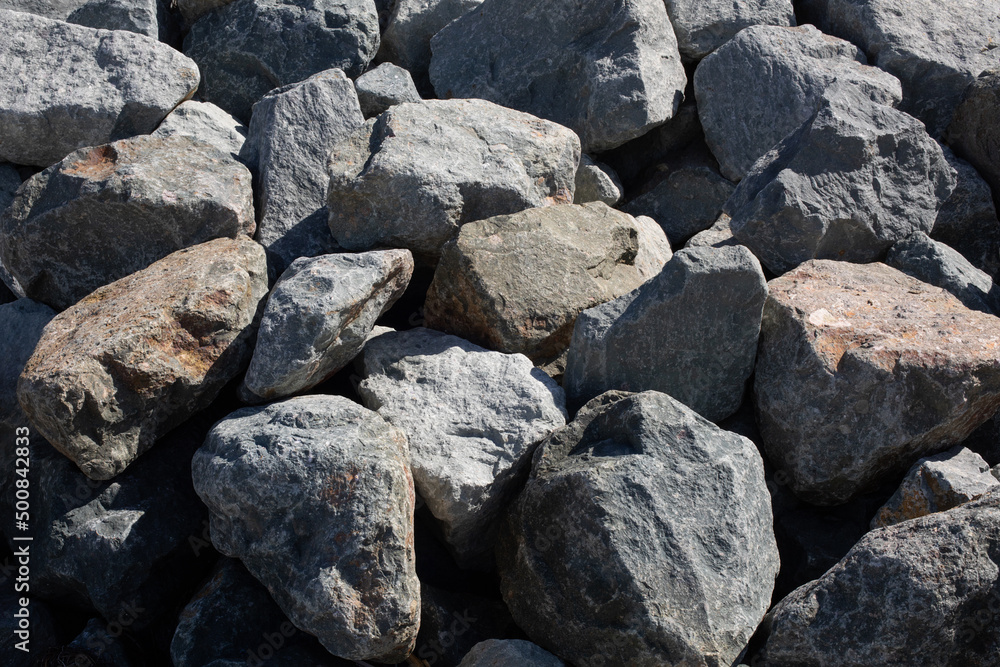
108	211
517	283
862	370
767	81
207	122
609	72
247	48
310	493
192	10
936	264
703	26
383	87
411	178
688	201
654	247
320	313
643	537
719	235
146	17
887	180
128	363
500	652
936	484
935	54
973	132
922	592
95	86
10	181
412	23
596	181
694	326
472	417
968	219
291	135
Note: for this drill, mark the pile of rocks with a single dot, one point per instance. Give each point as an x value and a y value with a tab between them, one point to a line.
468	333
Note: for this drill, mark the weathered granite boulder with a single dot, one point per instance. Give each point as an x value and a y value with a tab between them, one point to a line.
498	652
853	180
136	358
516	283
406	40
146	17
319	314
245	49
968	221
609	72
385	86
767	81
689	200
643	537
596	181
207	122
411	178
973	132
694	326
473	418
311	493
292	132
109	211
702	26
69	86
862	370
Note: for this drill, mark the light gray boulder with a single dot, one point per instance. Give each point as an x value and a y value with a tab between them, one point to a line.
95	86
689	200
702	26
497	652
146	17
206	122
719	235
609	72
385	86
596	181
406	40
694	326
473	418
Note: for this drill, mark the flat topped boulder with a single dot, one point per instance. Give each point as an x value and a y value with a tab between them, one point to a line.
862	370
68	86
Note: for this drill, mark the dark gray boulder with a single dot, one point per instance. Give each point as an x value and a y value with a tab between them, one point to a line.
643	537
689	200
494	652
973	132
21	325
247	48
608	71
10	181
853	180
206	122
146	17
694	326
968	219
309	493
385	86
702	26
406	40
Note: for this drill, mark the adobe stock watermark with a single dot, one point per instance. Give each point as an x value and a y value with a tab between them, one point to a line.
22	539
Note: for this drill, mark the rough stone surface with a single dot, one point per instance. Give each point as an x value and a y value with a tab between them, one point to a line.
207	122
767	81
852	181
146	17
292	132
412	23
516	283
137	357
703	26
472	417
383	87
95	86
414	176
247	48
608	71
719	235
692	589
108	211
694	326
862	370
10	181
920	592
935	263
309	493
968	220
936	484
502	652
935	54
688	201
319	315
973	132
596	182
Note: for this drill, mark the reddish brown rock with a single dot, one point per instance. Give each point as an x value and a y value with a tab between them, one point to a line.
862	370
137	357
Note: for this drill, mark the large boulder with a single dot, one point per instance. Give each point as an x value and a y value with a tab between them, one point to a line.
109	211
146	17
136	358
319	314
473	418
292	132
643	537
331	539
974	132
247	48
608	71
702	26
767	81
862	370
420	171
406	40
694	327
207	122
516	283
853	180
68	86
922	592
